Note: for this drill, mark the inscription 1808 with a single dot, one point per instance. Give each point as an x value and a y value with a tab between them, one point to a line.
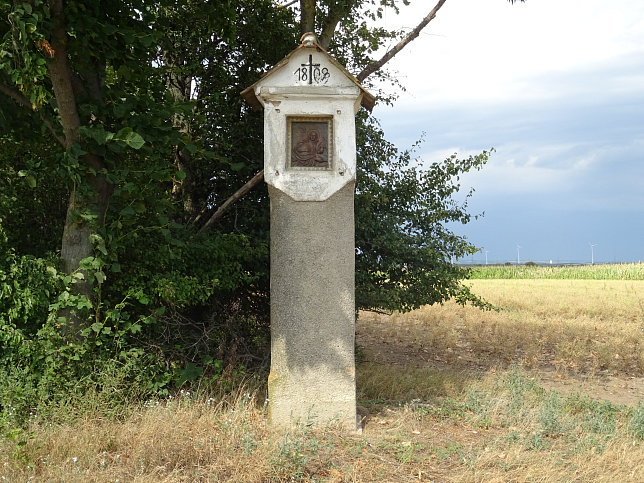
312	73
310	144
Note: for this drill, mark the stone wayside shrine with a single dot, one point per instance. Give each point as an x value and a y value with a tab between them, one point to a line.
310	102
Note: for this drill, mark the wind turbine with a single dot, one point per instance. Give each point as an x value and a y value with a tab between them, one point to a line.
518	254
592	253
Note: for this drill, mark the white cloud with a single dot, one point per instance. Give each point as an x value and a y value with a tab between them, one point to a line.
557	87
495	51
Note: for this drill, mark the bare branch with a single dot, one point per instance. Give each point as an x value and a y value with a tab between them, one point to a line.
24	102
236	196
376	65
16	96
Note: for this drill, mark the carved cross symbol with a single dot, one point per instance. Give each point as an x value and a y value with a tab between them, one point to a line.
311	65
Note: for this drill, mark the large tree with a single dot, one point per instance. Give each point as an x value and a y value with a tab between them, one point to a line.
124	138
84	68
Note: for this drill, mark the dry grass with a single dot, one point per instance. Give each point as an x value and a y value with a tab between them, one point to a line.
551	438
503	427
444	397
183	440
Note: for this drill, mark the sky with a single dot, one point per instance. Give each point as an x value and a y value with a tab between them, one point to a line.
557	89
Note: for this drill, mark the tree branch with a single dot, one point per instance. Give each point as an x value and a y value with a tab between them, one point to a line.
16	96
61	77
287	4
336	13
236	196
376	65
24	102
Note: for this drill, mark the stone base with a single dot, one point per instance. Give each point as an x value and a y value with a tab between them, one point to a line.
312	379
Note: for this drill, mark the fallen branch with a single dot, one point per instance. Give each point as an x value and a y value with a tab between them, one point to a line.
237	195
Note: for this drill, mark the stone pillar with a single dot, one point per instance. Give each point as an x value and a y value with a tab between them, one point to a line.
312	378
309	103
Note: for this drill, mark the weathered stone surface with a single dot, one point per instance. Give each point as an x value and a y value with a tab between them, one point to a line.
312	378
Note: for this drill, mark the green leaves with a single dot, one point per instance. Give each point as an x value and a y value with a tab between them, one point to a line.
31	181
162	122
132	139
190	372
97	133
22	50
101	137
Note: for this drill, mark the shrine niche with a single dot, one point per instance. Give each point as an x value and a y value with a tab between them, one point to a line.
309	143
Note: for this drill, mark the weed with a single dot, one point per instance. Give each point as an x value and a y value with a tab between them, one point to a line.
636	423
550	416
449	451
512	437
535	442
407	451
293	456
448	408
602	419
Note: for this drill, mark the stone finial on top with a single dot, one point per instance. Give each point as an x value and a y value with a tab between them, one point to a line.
309	39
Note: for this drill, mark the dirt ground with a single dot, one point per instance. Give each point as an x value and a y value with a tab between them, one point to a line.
373	335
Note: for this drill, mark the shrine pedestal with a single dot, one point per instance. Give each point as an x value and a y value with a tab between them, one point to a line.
312	378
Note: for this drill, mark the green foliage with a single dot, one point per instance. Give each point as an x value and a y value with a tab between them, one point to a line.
404	246
165	303
32	196
37	364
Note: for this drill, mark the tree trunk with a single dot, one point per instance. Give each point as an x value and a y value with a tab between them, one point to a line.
76	242
179	85
307	16
337	11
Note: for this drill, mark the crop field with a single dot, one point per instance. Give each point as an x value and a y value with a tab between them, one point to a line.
547	388
616	271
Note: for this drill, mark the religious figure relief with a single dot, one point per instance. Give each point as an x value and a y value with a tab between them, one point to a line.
310	144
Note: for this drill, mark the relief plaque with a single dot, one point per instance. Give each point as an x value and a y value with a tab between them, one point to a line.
309	143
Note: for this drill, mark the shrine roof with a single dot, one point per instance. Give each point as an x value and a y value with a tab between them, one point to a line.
309	41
